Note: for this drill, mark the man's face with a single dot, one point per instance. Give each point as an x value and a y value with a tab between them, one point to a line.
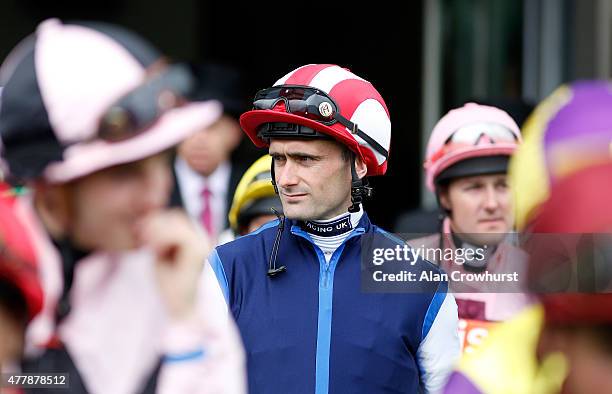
208	148
313	178
102	209
481	207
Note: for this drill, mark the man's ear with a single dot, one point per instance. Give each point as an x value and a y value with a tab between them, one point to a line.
360	167
444	198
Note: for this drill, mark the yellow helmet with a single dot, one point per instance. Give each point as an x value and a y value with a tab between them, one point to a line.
254	195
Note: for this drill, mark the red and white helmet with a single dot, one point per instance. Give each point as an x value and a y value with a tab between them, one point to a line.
327	99
472	131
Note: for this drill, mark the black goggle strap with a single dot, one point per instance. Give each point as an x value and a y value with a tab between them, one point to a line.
273	176
355	130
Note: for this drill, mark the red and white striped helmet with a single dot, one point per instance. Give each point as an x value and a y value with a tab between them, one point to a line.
362	121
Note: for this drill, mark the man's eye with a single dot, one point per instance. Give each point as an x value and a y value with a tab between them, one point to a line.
306	159
502	185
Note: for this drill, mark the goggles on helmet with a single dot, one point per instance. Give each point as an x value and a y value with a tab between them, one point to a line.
473	135
313	104
139	109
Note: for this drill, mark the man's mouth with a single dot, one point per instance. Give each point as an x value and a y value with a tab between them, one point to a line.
294	196
491	220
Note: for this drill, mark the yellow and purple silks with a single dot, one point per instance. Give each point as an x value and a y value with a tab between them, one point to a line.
506	363
570	130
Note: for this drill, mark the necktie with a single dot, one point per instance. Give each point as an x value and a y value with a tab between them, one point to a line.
206	215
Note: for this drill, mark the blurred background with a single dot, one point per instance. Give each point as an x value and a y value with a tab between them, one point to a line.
424	61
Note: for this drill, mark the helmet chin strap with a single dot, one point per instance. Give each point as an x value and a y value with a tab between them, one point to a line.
359	186
273	176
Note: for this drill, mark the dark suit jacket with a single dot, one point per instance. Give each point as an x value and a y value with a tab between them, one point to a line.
236	172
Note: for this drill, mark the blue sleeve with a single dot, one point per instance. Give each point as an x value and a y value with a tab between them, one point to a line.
217	266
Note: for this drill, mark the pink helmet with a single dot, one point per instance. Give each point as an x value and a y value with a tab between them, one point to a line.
79	98
324	100
472	131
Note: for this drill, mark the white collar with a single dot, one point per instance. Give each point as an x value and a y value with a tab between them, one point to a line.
192	182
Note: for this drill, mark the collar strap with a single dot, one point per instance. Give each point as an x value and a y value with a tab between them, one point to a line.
328	229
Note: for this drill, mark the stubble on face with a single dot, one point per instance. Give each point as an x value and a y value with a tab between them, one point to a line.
313	178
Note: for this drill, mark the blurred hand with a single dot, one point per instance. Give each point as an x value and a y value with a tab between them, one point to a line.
180	252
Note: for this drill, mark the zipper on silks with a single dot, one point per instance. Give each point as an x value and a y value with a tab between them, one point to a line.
325	268
324	324
326	275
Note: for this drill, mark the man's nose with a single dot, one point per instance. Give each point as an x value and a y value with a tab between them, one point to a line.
287	175
491	198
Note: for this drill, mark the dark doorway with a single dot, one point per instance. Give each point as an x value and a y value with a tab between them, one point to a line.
380	42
